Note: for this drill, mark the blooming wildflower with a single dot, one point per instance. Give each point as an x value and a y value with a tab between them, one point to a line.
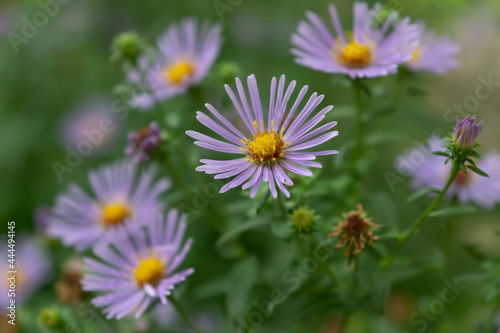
185	54
273	143
92	127
303	220
142	144
433	54
372	49
137	266
122	194
432	172
32	265
467	132
69	288
355	232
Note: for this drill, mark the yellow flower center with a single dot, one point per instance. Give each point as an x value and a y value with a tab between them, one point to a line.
266	147
115	213
355	55
150	271
176	72
416	55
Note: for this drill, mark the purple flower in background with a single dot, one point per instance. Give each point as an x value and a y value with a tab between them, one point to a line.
122	194
185	54
141	269
467	132
430	171
32	265
142	144
372	49
273	143
433	54
92	126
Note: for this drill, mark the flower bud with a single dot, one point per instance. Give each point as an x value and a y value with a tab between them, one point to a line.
303	220
467	132
127	46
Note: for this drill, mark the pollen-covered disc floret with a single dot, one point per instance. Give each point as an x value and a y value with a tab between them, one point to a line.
186	52
121	194
273	143
378	43
432	172
135	267
265	147
355	231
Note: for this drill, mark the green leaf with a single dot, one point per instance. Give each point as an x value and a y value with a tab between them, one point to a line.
241	228
440	153
478	171
241	280
263	201
474	252
475	154
450	211
423	192
463	168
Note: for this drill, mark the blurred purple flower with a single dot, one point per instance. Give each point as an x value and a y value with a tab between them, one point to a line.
32	265
433	54
92	123
432	172
142	144
142	269
185	54
123	196
373	49
275	146
467	132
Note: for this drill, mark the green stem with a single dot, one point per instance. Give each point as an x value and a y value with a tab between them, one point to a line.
358	148
182	313
454	171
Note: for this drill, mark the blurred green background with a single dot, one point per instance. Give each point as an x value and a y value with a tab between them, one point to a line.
66	64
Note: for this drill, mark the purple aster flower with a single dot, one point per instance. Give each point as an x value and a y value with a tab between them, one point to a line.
372	49
142	144
433	54
122	194
273	143
467	132
41	218
428	170
185	54
137	266
91	124
32	265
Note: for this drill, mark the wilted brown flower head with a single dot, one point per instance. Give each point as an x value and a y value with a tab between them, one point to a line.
355	231
69	288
